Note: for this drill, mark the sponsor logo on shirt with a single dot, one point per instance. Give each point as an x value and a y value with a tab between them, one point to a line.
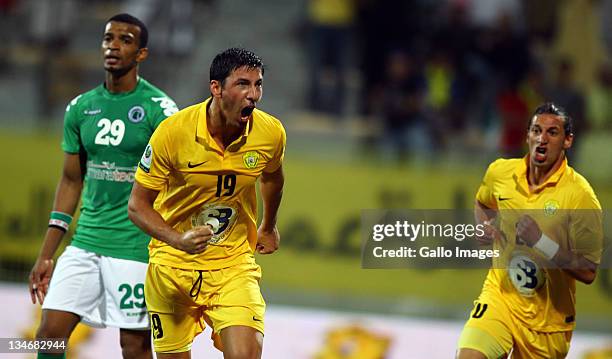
108	171
225	213
92	112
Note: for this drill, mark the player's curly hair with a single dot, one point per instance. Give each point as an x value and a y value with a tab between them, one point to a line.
129	19
553	109
231	59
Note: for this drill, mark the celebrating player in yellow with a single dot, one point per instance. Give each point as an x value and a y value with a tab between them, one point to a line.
550	231
195	194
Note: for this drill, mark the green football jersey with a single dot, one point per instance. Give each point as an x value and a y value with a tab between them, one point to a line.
112	131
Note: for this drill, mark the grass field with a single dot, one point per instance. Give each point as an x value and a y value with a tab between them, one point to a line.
322	200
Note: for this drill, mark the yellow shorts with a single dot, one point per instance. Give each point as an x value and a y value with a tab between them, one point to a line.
181	302
493	331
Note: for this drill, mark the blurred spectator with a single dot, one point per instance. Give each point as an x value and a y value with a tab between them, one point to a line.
579	41
533	88
599	105
541	19
6	9
486	13
606	24
403	105
383	26
565	93
51	26
52	22
513	112
330	25
444	112
507	51
501	62
177	38
454	60
440	76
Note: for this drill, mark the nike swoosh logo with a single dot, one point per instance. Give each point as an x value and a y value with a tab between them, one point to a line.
195	165
257	320
500	198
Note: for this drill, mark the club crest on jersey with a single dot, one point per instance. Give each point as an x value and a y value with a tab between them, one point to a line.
147	158
550	207
136	114
250	159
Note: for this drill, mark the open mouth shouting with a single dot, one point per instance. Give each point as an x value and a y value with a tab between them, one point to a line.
540	154
246	113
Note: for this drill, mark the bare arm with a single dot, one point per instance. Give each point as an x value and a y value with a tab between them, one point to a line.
142	213
271	185
483	213
486	216
67	197
572	263
576	265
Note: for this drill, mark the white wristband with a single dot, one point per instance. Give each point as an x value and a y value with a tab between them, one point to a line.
547	246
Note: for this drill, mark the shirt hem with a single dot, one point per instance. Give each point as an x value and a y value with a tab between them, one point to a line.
223	263
107	253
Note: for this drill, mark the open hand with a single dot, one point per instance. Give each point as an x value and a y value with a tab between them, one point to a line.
39	279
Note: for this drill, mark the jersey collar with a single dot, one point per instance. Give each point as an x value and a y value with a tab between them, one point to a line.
203	135
520	174
119	95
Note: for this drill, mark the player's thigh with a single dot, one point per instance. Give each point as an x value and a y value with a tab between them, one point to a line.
124	293
183	355
487	331
76	286
532	344
241	342
238	301
466	353
175	319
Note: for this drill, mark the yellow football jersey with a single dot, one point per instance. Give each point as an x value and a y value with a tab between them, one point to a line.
197	180
566	210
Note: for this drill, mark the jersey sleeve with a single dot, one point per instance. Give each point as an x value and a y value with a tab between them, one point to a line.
156	163
163	107
279	154
71	142
586	227
485	193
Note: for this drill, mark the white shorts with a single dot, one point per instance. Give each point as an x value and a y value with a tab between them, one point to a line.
103	291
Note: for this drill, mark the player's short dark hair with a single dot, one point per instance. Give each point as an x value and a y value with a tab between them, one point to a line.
552	109
231	59
129	19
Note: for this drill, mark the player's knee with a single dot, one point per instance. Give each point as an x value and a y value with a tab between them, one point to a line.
135	344
250	351
467	353
56	324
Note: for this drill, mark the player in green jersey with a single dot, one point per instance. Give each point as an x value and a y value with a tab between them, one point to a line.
99	277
